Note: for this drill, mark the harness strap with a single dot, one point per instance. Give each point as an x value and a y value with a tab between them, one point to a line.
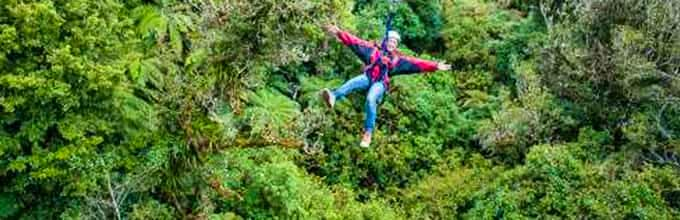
383	50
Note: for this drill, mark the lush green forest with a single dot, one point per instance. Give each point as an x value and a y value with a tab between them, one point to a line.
210	109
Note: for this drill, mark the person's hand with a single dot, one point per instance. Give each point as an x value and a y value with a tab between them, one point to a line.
443	66
332	29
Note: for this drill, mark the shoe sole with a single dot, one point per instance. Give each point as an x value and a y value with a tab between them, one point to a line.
326	97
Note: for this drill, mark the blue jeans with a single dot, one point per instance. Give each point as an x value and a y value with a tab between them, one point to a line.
373	97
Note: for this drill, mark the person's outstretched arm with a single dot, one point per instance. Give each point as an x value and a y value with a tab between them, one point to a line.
410	65
362	48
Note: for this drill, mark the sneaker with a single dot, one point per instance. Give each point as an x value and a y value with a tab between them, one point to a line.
365	140
328	98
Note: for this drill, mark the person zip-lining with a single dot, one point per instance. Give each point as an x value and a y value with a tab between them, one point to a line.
380	64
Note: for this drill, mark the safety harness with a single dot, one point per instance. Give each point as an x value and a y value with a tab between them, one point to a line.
383	48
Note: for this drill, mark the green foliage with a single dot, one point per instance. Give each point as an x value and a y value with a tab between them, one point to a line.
265	183
164	24
429	13
419	22
210	110
554	183
151	209
8	205
535	117
521	5
470	29
244	38
484	35
69	115
614	68
272	116
446	195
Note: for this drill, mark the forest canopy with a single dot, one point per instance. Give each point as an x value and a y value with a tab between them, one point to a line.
210	109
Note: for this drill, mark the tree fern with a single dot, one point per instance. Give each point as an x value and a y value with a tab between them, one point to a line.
163	25
272	116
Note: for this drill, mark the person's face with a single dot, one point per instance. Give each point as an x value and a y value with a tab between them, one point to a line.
392	44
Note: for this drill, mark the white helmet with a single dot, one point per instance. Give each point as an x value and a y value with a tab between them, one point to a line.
393	34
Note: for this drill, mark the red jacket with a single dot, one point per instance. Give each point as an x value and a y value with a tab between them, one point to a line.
395	62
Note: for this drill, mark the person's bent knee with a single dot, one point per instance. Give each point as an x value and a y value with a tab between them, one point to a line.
372	103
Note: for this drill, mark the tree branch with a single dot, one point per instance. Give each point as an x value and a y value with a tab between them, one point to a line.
114	203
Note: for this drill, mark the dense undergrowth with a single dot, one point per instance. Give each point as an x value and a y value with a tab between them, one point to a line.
210	110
